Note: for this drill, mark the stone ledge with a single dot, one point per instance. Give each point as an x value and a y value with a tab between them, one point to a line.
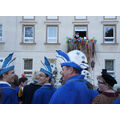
52	44
22	43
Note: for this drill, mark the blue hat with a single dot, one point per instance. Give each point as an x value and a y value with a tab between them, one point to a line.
47	68
6	64
74	58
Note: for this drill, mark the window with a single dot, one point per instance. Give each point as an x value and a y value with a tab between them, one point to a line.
28	67
28	34
28	17
1	62
109	65
110	17
0	33
52	17
52	34
81	30
81	17
109	34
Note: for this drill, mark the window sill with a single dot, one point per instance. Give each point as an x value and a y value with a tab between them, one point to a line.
51	43
22	43
2	42
52	22
109	43
28	22
109	21
80	22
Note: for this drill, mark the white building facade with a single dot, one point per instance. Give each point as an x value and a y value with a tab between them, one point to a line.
33	37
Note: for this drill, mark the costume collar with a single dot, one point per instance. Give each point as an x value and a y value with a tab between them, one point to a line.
47	85
76	77
111	94
4	82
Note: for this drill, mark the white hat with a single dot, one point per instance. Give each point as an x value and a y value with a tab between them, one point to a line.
74	58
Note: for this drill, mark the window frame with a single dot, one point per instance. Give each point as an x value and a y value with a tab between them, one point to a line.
27	70
111	71
28	18
57	41
79	18
81	26
114	30
23	33
109	18
51	18
1	37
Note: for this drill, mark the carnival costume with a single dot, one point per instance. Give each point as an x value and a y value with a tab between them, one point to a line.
44	94
117	101
107	97
8	94
75	89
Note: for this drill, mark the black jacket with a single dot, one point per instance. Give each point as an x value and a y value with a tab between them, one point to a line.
28	92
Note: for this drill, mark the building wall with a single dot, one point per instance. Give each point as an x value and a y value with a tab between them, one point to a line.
12	36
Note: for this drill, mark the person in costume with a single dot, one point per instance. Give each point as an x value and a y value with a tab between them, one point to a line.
30	88
22	83
44	94
117	101
75	89
8	95
105	85
87	80
15	84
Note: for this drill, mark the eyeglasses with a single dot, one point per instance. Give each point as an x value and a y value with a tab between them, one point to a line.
42	75
101	82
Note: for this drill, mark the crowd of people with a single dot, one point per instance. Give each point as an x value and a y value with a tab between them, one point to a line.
74	89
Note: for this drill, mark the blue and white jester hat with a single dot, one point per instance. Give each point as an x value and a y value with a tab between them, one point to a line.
6	66
47	68
74	58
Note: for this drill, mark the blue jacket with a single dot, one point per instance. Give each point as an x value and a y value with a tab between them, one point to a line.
117	101
93	92
9	95
43	94
74	91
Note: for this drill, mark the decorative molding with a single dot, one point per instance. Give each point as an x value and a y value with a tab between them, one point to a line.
52	43
2	42
28	22
81	22
109	22
109	43
22	43
52	22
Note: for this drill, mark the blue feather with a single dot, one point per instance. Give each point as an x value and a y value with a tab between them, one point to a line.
47	63
44	65
7	60
64	55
